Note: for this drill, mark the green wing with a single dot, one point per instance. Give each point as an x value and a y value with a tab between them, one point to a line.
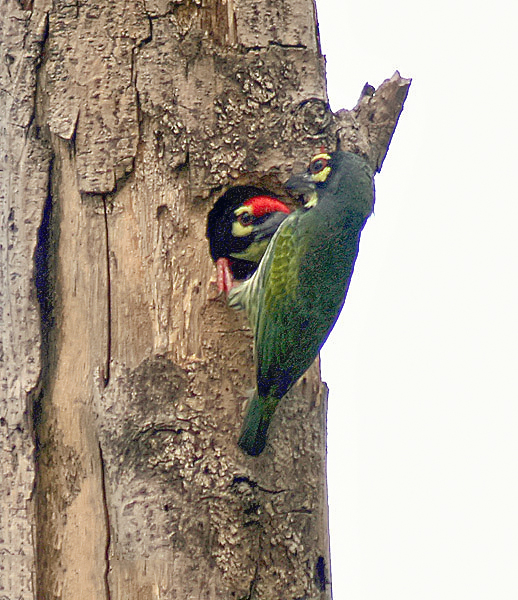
291	303
274	267
290	325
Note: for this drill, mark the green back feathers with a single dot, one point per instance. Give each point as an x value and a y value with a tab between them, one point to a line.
281	276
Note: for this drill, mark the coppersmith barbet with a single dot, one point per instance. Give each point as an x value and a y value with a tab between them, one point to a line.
239	228
294	298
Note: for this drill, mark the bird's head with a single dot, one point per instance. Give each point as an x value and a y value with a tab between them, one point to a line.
340	174
305	184
254	222
241	223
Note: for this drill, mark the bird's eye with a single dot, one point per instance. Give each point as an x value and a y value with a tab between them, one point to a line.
246	219
317	165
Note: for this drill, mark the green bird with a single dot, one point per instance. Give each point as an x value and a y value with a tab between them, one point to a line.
294	298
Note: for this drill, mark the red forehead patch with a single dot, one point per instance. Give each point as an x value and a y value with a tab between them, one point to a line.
263	205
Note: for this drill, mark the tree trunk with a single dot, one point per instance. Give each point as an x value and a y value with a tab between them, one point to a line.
123	373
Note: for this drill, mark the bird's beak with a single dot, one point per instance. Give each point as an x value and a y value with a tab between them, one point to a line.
269	226
302	184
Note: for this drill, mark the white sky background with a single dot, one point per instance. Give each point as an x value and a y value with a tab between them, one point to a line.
423	364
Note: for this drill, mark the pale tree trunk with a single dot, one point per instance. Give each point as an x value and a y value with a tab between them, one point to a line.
123	373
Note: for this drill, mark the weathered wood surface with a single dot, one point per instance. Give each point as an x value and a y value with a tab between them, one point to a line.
151	109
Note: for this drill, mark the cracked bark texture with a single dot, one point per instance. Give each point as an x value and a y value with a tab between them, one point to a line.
123	374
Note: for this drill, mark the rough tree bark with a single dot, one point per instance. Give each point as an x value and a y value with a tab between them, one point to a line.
123	374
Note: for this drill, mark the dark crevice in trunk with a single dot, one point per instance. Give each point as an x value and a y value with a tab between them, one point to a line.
45	283
106	376
107	522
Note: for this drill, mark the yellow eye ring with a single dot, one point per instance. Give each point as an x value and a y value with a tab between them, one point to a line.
319	168
317	165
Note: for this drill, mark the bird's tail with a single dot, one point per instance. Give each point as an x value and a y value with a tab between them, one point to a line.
255	427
